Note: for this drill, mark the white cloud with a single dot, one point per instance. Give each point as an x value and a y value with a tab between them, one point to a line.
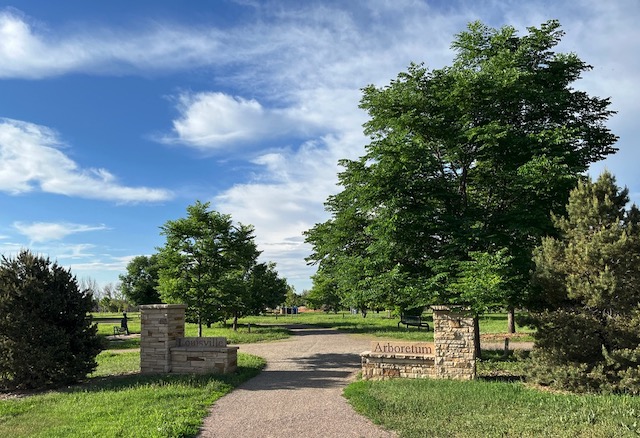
30	158
29	51
48	231
317	61
291	201
298	71
214	120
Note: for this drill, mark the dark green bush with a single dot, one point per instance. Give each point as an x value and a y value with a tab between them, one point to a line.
46	337
588	329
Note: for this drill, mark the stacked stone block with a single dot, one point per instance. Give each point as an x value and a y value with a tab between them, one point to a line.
202	360
453	358
382	366
161	326
453	337
164	349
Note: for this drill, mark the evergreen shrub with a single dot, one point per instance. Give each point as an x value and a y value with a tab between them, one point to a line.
588	323
46	335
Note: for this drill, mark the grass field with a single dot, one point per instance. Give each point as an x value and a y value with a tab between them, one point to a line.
381	324
271	327
118	402
445	408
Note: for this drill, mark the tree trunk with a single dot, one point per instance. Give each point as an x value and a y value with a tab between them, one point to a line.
476	337
199	325
511	320
235	321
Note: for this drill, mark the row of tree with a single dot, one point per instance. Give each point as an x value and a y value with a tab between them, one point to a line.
472	182
464	167
47	337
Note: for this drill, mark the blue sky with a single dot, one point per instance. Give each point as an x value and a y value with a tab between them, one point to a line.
115	116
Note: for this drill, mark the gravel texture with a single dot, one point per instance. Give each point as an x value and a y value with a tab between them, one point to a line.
299	393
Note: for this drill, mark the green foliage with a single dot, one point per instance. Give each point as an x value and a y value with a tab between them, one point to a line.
465	163
140	284
46	336
210	264
483	282
588	325
324	294
262	288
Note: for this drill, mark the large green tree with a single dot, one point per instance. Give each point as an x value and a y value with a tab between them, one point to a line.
588	319
140	283
210	264
466	159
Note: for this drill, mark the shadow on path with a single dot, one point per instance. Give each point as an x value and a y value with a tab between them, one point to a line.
323	370
299	393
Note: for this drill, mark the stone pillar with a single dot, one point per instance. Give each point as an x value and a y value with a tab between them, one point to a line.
161	326
453	333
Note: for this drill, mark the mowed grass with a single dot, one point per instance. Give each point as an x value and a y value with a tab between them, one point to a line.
384	325
272	327
244	334
446	408
123	404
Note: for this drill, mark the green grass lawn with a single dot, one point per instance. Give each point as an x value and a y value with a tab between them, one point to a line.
381	324
118	402
271	327
446	408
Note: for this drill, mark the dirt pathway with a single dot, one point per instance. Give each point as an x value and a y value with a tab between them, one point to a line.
299	394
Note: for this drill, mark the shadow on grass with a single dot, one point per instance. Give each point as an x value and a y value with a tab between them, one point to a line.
502	378
128	381
123	344
495	366
363	327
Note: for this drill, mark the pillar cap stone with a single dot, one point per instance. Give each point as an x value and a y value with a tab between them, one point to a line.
162	306
449	307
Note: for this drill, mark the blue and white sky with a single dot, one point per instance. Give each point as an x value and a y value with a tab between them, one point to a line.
117	115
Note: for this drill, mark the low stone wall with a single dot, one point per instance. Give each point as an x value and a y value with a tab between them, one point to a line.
202	360
451	356
164	349
381	366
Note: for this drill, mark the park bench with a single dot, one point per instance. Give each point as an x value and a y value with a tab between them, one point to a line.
117	329
413	321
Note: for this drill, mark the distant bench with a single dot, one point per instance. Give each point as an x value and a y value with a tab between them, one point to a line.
117	329
413	321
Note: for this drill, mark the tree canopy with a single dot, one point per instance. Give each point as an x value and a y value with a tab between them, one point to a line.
140	283
465	160
210	264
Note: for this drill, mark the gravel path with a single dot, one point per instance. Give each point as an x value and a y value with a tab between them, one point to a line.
299	393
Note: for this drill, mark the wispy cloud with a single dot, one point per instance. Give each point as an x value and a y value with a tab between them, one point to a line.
341	54
30	159
296	72
48	231
30	51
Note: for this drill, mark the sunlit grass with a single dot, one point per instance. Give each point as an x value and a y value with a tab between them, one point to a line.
125	405
385	325
423	408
